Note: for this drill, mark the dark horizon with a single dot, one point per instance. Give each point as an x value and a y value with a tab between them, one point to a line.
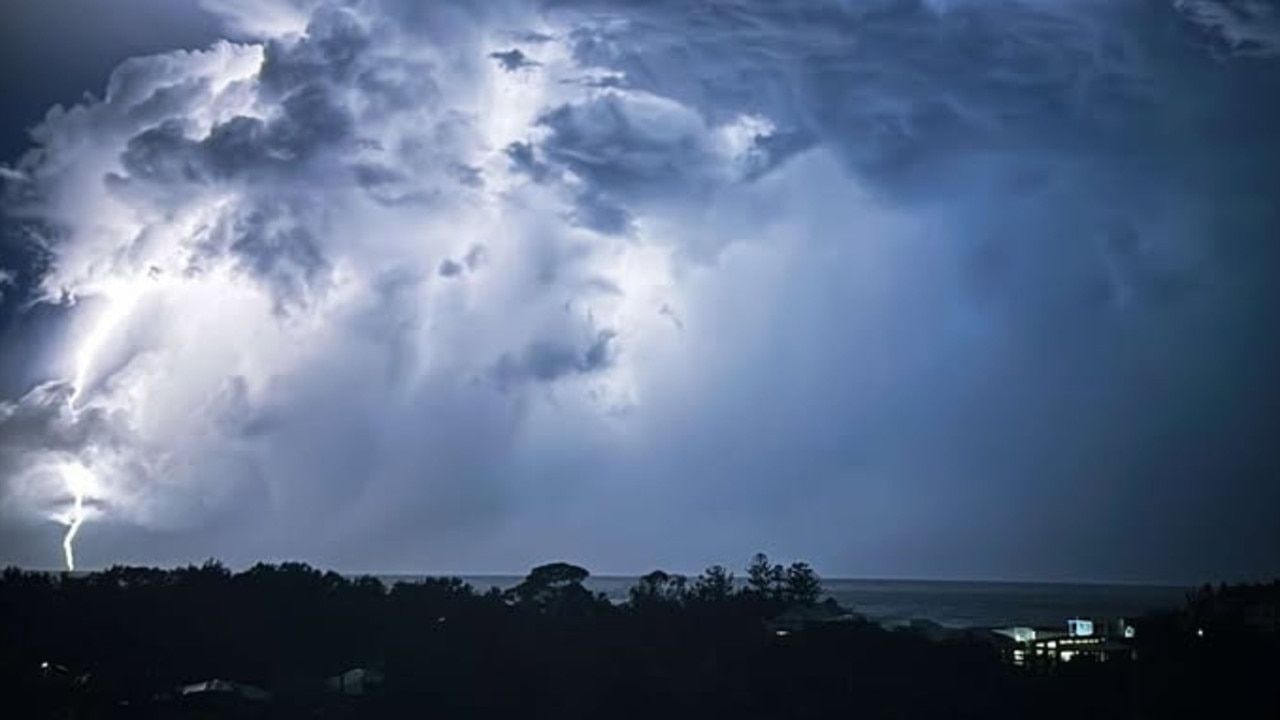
614	576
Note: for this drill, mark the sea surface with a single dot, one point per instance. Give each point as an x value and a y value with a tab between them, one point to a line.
950	603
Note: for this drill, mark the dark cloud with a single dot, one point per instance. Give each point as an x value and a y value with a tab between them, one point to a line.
392	87
472	261
472	177
300	82
1041	149
312	119
163	154
476	257
237	147
43	416
373	177
598	213
523	158
273	247
776	148
531	37
243	148
450	268
629	151
547	361
605	143
513	60
331	50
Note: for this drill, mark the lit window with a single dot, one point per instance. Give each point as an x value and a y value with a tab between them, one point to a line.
1079	627
1067	655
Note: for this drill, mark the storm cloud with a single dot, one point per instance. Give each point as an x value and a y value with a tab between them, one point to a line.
977	288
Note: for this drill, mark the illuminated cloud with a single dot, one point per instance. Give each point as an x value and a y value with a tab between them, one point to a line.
257	255
457	286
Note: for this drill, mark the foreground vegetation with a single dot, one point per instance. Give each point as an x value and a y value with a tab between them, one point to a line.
117	643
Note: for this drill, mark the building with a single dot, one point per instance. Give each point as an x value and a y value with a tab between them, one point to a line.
217	688
215	699
356	681
1082	640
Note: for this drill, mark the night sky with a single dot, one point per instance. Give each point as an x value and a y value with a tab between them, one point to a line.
972	289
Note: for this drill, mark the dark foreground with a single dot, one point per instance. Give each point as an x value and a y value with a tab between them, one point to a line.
289	641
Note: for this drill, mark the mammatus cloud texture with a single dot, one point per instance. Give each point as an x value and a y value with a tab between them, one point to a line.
972	288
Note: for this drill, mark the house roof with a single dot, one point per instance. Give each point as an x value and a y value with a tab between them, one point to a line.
225	687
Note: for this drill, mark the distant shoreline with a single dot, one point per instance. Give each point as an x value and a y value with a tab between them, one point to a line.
516	577
953	604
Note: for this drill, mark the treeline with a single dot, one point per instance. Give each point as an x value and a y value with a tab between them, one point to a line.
285	624
547	647
1242	609
706	646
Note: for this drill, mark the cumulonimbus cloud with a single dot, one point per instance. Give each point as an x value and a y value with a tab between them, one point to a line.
400	285
245	225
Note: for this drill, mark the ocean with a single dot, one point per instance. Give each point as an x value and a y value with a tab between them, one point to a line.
952	604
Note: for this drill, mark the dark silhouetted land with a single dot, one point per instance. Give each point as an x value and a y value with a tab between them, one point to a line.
290	641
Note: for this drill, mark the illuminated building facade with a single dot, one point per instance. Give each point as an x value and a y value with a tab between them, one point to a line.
1083	640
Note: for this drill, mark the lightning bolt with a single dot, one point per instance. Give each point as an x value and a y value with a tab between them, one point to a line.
73	527
120	300
79	479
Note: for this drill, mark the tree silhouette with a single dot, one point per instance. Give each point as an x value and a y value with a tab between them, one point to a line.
763	578
802	585
555	587
715	584
658	589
